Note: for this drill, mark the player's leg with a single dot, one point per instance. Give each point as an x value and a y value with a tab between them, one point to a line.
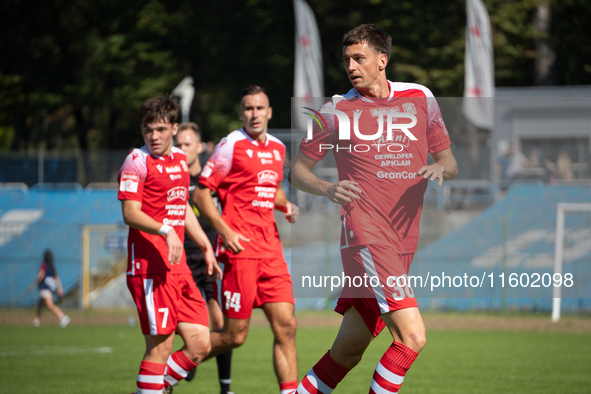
237	301
275	296
347	350
192	324
150	379
408	331
224	360
231	336
196	347
283	324
37	319
154	296
64	320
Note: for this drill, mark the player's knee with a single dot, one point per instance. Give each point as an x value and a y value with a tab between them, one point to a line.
349	358
416	341
286	329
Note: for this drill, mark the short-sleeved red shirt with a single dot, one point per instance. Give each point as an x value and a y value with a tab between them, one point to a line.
246	174
161	184
389	210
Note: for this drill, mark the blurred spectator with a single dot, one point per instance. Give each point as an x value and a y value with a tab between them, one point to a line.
564	167
516	162
49	284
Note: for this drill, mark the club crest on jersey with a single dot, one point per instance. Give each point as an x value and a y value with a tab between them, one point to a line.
159	167
409	108
185	166
178	192
277	155
249	153
267	176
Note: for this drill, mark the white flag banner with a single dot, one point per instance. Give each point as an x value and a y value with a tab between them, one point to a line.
479	81
308	82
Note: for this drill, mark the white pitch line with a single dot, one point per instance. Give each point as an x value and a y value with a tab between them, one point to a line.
58	351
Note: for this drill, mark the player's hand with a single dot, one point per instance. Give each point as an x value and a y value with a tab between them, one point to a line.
232	241
60	292
432	172
31	287
292	212
175	247
343	192
212	267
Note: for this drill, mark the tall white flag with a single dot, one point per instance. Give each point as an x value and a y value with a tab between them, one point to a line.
479	81
309	81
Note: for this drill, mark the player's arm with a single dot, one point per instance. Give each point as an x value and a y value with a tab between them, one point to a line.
292	212
60	289
444	168
203	200
37	279
301	177
194	230
134	217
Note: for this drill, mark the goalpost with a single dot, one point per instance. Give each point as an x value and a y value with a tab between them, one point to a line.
561	209
104	257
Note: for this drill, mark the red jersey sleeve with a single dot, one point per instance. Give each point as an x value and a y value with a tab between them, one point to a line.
132	176
218	165
324	133
437	135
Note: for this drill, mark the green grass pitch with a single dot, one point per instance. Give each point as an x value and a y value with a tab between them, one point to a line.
105	359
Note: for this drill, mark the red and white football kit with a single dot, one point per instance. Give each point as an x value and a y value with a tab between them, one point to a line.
246	174
165	294
380	232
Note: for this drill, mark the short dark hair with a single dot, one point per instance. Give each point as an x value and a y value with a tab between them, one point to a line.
159	108
190	126
376	38
252	89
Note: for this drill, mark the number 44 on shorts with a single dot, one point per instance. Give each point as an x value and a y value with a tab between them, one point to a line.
232	300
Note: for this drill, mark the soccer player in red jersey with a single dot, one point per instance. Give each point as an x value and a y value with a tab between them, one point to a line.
153	189
246	169
382	178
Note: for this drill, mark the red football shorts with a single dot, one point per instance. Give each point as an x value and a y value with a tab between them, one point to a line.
379	283
250	283
165	300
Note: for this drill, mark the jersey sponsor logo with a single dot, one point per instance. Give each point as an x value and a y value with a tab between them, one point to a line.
267	176
185	166
277	155
265	192
175	176
173	222
249	153
266	155
207	170
267	161
159	167
173	169
396	175
263	204
129	182
397	138
178	192
176	210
